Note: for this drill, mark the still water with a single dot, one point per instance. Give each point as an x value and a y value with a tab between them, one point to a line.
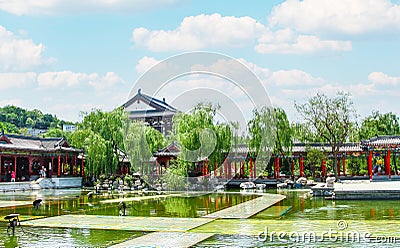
299	211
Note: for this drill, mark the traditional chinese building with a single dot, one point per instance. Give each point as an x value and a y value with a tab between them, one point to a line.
154	112
27	156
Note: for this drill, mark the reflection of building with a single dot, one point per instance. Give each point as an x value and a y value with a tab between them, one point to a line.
155	113
28	155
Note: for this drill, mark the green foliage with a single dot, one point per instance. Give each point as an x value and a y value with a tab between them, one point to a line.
330	118
54	133
379	124
155	139
101	136
262	131
176	175
199	137
355	165
8	127
22	118
135	142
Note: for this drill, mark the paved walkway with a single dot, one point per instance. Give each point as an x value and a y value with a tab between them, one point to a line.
127	223
139	198
247	209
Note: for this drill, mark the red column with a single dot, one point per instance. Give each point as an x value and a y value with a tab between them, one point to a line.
323	168
370	165
15	164
206	166
387	165
251	167
277	167
83	166
301	162
59	165
292	167
344	165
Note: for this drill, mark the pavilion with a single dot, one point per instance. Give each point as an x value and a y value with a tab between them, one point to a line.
27	155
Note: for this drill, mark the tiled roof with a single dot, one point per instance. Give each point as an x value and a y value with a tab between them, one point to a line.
159	105
382	141
20	142
346	147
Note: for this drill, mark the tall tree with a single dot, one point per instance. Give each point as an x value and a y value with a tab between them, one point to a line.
331	118
379	124
262	131
101	136
200	137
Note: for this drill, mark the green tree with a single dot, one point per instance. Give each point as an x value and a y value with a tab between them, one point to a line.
314	159
54	133
379	124
331	118
101	136
200	137
136	145
262	134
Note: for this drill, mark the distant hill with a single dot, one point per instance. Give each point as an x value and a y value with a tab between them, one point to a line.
14	119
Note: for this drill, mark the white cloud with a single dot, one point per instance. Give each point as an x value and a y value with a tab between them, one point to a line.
294	78
145	64
17	53
70	79
53	7
381	78
16	80
109	80
198	32
303	44
15	102
341	16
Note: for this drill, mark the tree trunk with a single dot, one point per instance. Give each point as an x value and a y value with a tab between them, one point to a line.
335	171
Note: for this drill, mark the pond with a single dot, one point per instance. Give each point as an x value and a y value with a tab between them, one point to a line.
298	212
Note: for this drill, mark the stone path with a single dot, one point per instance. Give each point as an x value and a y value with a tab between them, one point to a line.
127	223
247	209
139	198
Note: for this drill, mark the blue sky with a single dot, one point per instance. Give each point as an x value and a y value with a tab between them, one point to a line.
64	57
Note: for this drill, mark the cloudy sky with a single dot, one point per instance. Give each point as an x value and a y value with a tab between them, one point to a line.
68	56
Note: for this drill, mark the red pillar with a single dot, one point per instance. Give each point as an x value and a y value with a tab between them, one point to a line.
251	167
15	164
323	168
277	167
83	166
387	164
59	165
292	167
301	162
344	165
370	165
206	166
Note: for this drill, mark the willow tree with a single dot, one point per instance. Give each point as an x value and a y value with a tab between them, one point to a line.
200	136
331	118
140	142
101	136
262	134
